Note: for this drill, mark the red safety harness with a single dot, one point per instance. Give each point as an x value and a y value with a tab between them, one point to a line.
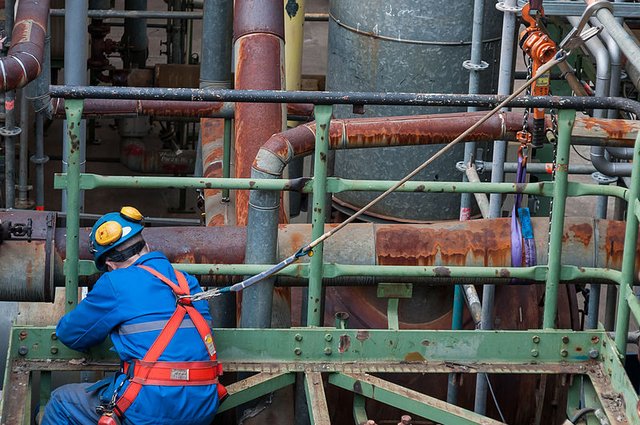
149	371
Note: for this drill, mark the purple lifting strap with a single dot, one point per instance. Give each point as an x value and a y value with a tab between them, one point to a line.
516	232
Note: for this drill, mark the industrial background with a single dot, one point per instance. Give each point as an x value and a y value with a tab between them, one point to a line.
496	286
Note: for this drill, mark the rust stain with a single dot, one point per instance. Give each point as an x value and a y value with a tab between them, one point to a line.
414	357
344	343
614	129
362	335
582	232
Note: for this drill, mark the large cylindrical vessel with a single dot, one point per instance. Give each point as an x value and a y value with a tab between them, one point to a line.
405	46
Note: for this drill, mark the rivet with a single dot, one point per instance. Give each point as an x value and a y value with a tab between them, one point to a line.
565	339
536	339
298	337
328	351
54	336
23	350
564	352
54	350
23	335
534	353
328	337
595	339
297	351
594	354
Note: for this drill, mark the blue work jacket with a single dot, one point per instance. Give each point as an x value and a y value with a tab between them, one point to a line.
132	306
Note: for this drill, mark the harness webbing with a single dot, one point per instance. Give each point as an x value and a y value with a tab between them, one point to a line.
183	307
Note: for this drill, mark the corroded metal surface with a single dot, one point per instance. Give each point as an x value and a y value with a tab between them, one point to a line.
124	107
24	60
259	59
212	139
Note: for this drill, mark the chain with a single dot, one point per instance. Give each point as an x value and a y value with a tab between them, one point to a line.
525	116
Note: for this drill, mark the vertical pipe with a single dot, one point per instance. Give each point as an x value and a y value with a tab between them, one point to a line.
456	323
323	118
73	110
9	131
23	163
505	82
475	66
41	106
226	157
294	37
565	122
135	37
628	256
75	74
215	72
259	51
177	35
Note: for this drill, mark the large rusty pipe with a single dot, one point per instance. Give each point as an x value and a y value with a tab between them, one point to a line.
120	108
258	31
24	60
587	243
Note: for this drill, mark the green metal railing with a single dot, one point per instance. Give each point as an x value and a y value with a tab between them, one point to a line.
300	350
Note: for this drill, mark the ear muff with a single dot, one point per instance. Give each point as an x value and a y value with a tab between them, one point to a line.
131	214
108	233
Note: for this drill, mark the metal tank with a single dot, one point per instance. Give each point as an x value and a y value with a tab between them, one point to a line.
405	46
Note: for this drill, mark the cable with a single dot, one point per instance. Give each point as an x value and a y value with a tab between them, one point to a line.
493	395
579	154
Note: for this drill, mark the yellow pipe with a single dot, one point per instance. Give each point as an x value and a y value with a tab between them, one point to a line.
293	38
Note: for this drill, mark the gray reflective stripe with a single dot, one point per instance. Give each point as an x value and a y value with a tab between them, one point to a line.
156	325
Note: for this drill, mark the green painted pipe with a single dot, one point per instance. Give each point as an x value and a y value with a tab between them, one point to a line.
314	306
565	124
73	110
629	255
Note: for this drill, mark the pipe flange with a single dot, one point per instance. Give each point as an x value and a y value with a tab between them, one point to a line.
502	7
9	132
603	178
39	160
475	66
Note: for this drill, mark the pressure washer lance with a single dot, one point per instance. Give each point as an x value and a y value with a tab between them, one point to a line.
560	56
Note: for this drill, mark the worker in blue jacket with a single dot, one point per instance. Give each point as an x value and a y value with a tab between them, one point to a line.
133	304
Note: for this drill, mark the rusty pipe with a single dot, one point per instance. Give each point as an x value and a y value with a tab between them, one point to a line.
258	29
24	60
280	148
121	108
588	243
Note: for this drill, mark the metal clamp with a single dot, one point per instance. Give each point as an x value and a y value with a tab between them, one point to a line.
478	165
576	37
475	66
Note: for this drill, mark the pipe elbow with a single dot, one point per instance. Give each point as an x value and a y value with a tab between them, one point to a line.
273	156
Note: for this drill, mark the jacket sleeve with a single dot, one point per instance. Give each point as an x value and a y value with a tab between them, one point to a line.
94	317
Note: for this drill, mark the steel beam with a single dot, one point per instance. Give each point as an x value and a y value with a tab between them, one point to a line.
408	400
316	399
255	386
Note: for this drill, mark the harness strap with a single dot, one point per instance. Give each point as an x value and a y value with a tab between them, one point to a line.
149	371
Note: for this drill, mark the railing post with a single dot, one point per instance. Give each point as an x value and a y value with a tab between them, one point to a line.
566	119
73	110
629	255
323	120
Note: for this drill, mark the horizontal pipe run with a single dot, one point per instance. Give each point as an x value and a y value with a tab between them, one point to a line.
122	108
334	185
532	167
343	98
24	60
134	14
